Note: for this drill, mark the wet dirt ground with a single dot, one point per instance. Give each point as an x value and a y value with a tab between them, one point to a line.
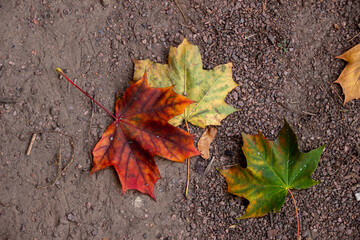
283	57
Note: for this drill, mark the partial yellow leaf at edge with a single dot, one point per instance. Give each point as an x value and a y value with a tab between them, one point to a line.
349	78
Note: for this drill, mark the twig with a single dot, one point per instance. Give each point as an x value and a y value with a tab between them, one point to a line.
308	113
250	36
31	144
294	110
189	27
353	37
54	131
4	175
137	20
59	160
4	205
347	110
264	7
180	10
341	163
336	93
60	172
354	176
271	219
328	147
5	100
207	169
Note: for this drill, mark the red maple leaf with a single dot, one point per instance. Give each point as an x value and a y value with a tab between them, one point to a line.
141	131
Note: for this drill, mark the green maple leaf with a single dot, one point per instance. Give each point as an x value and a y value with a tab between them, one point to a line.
273	167
207	88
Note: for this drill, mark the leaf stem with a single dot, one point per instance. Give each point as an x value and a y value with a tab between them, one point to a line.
188	166
62	73
297	215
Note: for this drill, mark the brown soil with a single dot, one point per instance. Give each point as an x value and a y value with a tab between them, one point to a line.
283	56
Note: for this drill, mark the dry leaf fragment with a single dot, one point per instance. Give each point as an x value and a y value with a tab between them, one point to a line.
204	143
349	78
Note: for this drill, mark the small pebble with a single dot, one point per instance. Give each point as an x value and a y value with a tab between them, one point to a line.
205	39
71	217
52	111
114	44
105	3
357	196
78	166
235	95
271	39
233	213
138	202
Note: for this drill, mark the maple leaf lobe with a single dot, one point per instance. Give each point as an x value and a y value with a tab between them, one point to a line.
273	167
349	78
140	132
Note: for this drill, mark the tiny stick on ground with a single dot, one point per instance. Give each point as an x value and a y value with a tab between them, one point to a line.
60	170
354	37
180	10
28	151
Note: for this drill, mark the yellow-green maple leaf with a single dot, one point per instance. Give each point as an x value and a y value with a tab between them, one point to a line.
208	88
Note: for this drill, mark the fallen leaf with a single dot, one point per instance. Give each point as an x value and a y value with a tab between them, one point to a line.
349	78
205	140
273	167
207	88
142	131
